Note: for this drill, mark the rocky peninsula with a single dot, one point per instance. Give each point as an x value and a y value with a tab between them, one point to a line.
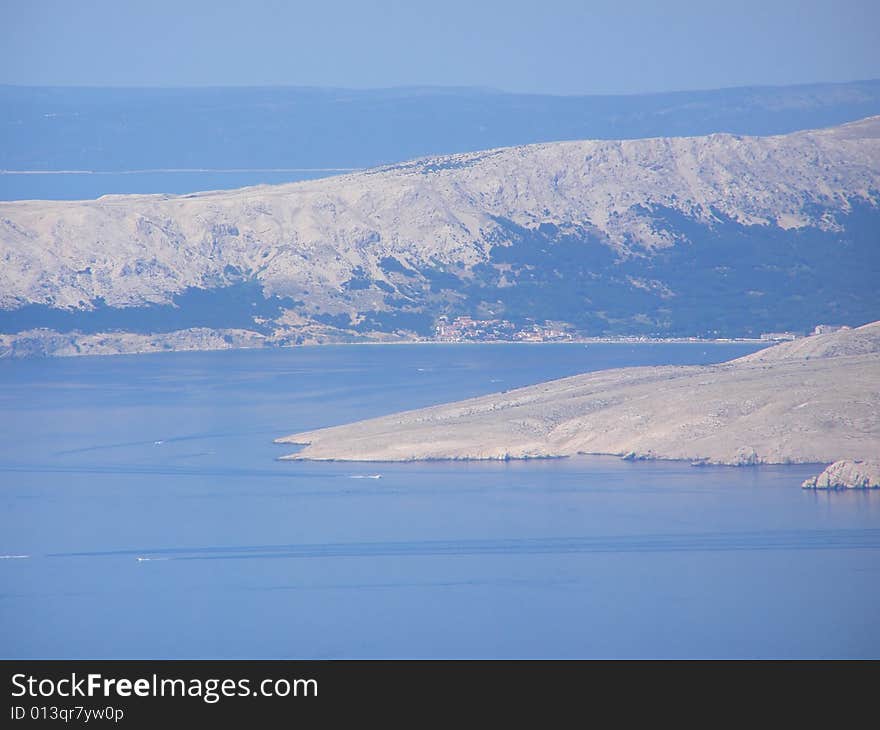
815	400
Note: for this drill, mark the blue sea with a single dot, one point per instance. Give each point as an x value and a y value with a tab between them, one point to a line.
144	515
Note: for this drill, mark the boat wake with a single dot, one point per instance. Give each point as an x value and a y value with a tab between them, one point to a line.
786	540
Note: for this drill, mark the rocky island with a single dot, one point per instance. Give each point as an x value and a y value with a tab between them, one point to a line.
814	400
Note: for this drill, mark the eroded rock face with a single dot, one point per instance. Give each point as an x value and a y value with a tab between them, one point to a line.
847	474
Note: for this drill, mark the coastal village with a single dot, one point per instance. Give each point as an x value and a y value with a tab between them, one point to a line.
468	329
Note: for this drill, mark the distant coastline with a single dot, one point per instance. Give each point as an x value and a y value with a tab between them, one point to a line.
49	343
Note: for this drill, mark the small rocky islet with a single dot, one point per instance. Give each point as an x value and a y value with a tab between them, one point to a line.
847	474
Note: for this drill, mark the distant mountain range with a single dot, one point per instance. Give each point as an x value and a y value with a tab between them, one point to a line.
719	235
108	129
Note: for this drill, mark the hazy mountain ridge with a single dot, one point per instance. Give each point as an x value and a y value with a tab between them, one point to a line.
609	224
130	129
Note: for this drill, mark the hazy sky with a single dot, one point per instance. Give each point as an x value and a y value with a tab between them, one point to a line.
553	46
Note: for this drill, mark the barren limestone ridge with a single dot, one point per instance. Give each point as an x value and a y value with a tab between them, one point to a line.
813	400
713	236
315	235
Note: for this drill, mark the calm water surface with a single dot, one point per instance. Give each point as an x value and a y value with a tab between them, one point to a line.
156	522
